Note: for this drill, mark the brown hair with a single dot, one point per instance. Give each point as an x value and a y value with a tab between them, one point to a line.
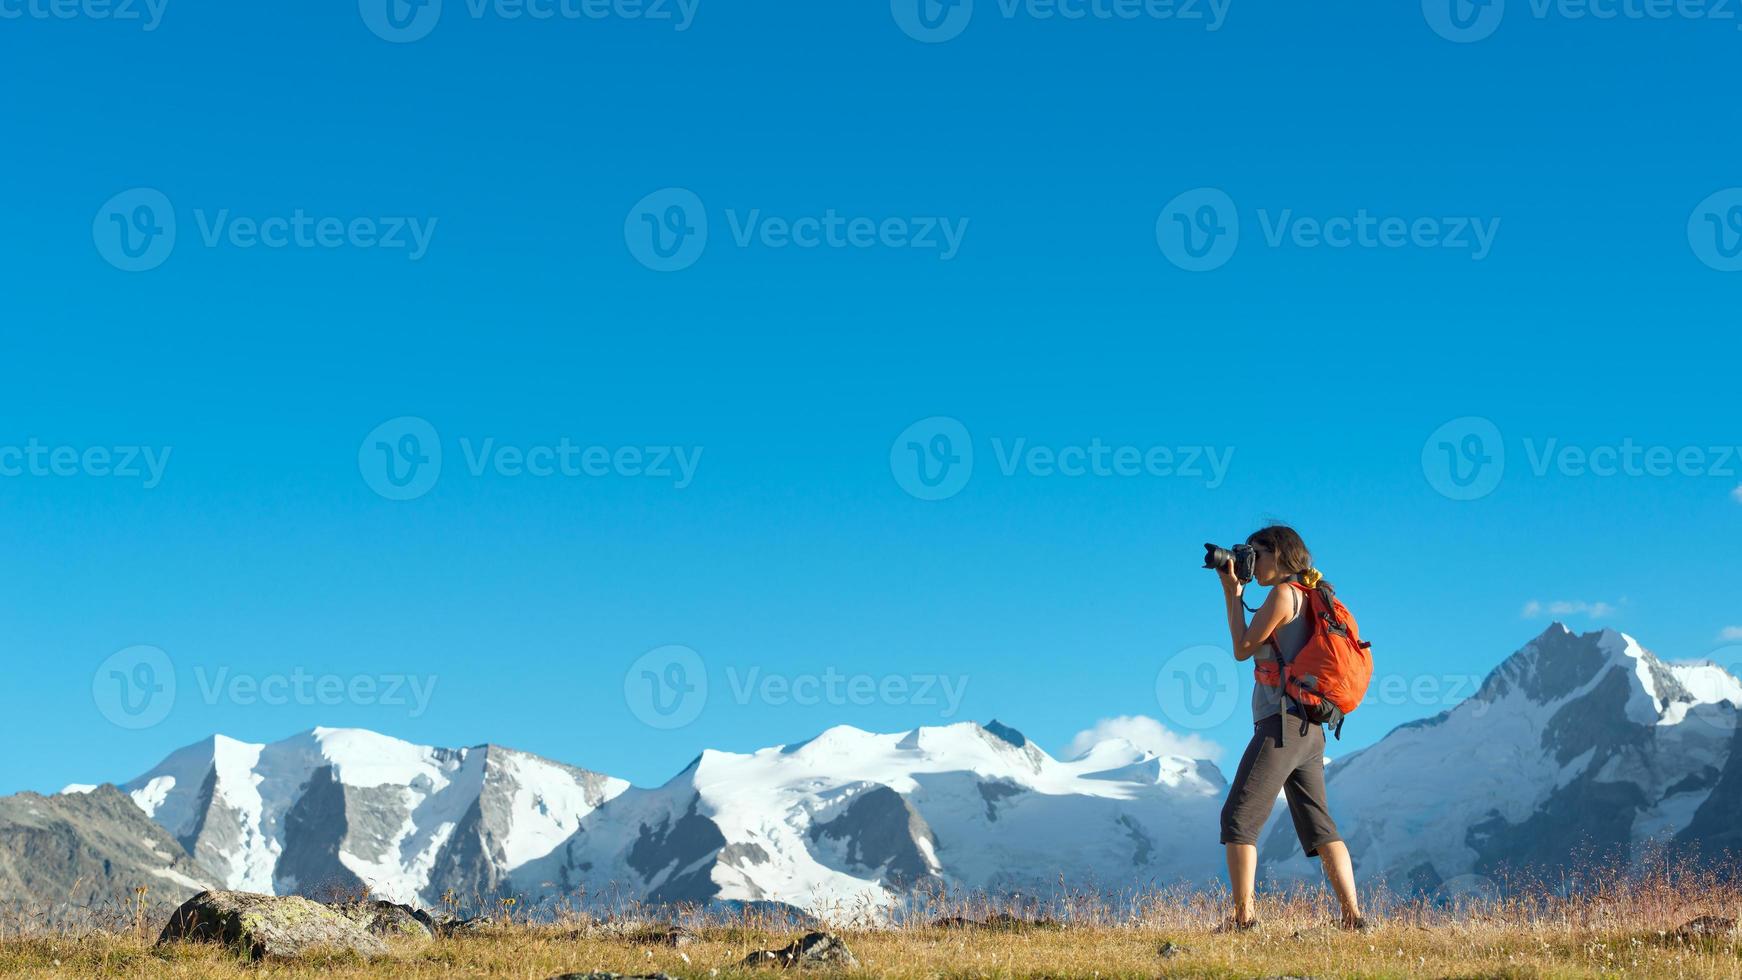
1291	552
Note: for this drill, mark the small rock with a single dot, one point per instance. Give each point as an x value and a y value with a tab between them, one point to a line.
390	920
673	936
446	924
267	925
1706	925
815	949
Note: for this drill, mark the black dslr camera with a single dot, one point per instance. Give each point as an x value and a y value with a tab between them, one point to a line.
1244	557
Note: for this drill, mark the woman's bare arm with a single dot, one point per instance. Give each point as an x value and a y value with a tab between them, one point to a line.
1248	639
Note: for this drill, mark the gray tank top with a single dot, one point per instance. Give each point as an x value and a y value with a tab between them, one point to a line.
1290	636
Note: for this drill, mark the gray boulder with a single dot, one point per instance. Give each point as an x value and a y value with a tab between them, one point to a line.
815	949
268	926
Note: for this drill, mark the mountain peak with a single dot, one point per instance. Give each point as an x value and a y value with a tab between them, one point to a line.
1006	733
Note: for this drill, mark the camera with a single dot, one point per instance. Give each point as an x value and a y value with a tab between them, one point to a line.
1244	557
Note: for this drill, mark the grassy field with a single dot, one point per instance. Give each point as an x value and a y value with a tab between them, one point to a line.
1622	928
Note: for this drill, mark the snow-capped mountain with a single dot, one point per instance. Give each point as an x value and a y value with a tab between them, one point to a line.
1576	744
849	817
851	820
338	808
1572	744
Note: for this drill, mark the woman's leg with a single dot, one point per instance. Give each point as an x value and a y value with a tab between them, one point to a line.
1242	879
1251	797
1340	872
1307	804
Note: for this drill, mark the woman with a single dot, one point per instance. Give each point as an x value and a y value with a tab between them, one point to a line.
1279	756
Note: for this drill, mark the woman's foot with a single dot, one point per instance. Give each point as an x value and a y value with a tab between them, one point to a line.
1356	924
1232	924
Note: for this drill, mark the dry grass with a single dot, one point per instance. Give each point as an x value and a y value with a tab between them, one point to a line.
1601	924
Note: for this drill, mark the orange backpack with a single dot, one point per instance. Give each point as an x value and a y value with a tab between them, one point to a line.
1330	675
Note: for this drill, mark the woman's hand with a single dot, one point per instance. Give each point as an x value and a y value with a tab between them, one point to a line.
1230	584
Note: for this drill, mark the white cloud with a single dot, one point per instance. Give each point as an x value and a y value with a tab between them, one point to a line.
1563	607
1730	633
1145	733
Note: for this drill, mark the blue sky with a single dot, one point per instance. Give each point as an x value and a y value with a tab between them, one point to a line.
457	220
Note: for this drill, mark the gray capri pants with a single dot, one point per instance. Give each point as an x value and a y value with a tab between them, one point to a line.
1280	757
